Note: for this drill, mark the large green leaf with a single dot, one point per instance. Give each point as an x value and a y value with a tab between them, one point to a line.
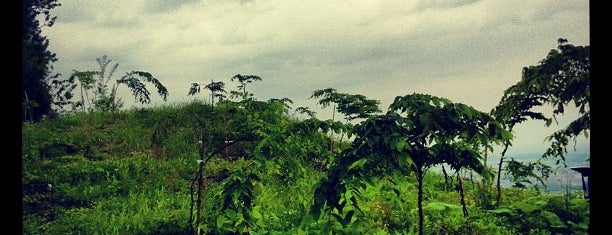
441	206
359	163
220	221
553	219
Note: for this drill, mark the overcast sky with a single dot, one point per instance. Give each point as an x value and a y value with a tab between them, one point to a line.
465	50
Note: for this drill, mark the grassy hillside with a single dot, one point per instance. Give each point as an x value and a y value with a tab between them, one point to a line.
135	171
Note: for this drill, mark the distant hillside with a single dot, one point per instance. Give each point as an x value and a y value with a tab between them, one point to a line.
563	176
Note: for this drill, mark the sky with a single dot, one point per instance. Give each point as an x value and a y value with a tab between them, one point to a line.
468	51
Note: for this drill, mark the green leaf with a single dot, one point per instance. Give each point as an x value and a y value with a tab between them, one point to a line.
358	163
256	214
504	211
220	221
236	194
399	145
530	205
404	160
438	206
348	194
553	219
396	191
230	213
338	217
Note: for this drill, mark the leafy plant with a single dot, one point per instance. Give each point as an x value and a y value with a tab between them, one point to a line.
133	174
236	213
564	76
102	99
539	215
433	131
520	173
216	90
243	80
352	106
36	59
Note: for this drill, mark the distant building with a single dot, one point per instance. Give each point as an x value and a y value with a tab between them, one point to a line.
585	171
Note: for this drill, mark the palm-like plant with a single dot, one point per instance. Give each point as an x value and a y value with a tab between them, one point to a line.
102	100
243	80
217	90
562	77
351	106
418	131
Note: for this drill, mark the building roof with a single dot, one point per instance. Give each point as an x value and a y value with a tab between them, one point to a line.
584	170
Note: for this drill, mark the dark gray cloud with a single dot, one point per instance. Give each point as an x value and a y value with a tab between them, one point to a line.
159	6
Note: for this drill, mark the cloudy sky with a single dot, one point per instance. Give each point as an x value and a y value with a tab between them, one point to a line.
468	51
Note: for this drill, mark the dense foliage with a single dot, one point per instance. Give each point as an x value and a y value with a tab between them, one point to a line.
36	59
131	173
240	165
562	78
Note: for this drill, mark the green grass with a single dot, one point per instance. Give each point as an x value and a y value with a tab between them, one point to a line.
131	172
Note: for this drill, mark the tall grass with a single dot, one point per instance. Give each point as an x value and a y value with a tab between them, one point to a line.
130	173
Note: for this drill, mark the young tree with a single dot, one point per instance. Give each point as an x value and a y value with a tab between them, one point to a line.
351	106
86	81
133	81
216	90
36	59
243	80
62	92
440	131
284	102
418	131
103	100
520	173
513	109
563	77
306	111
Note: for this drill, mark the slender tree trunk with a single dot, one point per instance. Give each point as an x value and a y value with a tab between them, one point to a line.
85	99
85	119
225	135
331	142
113	101
342	135
462	194
484	153
82	100
499	170
200	182
486	167
191	189
472	178
463	204
203	161
445	178
333	112
212	94
200	179
26	108
420	175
